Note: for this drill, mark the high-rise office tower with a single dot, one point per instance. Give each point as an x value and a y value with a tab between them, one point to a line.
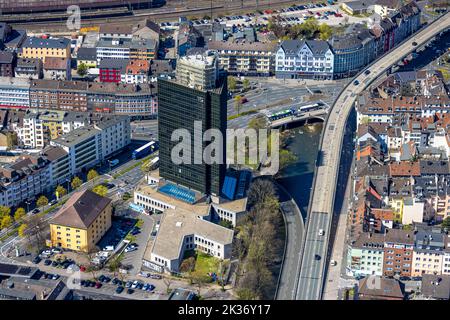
199	94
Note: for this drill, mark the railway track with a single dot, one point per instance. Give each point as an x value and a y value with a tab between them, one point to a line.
157	15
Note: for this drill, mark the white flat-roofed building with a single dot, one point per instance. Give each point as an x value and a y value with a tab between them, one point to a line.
14	92
92	144
199	71
184	226
246	58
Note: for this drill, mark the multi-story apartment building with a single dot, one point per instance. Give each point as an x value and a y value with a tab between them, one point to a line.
352	51
123	99
112	69
365	255
14	93
245	58
87	56
136	72
40	128
58	95
56	68
304	59
81	222
24	179
59	165
29	68
429	245
398	252
7	61
90	145
34	47
142	49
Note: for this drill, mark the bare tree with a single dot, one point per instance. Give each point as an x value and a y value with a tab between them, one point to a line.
167	281
260	190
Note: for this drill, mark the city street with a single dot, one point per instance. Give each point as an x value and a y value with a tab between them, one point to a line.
326	176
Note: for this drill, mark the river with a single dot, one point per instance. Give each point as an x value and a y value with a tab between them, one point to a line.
297	178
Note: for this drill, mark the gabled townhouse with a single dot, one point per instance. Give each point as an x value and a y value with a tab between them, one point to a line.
311	59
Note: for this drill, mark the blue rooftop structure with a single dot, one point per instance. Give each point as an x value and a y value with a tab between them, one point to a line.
229	187
178	192
243	182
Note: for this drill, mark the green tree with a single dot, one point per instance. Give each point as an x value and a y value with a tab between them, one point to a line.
4	211
19	214
446	222
325	31
231	83
226	224
42	201
61	191
76	182
100	190
246	84
258	122
82	69
21	230
237	103
6	222
286	157
92	174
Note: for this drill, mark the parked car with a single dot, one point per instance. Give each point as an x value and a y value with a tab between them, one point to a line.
144	274
135	284
35	211
55	263
55	277
128	284
36	260
155	276
130	291
130	249
48	262
47	252
98	285
333	263
119	290
57	250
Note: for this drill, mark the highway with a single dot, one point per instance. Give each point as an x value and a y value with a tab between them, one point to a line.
320	213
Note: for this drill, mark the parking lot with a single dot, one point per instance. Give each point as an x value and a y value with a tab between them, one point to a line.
323	12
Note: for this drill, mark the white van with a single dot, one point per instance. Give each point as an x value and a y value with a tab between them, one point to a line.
321	232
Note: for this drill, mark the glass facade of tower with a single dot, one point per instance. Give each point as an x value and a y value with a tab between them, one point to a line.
179	107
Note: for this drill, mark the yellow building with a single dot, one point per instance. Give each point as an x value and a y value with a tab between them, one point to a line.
397	206
34	47
81	222
88	57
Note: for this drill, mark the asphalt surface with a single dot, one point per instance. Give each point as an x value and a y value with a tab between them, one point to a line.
324	188
294	239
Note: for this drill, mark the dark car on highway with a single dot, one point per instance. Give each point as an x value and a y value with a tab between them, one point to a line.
317	257
414	43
